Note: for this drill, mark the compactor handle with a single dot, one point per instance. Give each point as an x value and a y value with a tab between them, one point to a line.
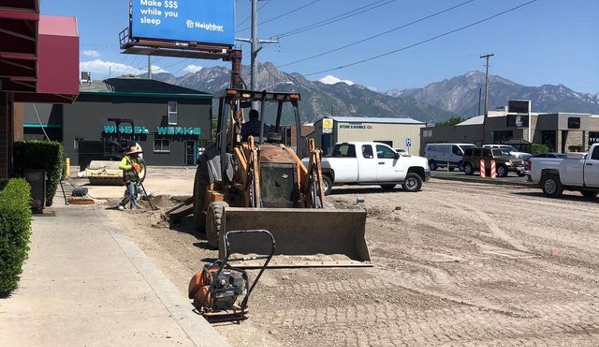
268	257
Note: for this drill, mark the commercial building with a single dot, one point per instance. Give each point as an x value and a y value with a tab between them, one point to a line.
560	131
169	122
396	132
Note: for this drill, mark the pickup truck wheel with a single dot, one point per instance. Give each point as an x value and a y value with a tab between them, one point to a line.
387	186
468	169
502	171
551	186
327	184
589	194
432	165
412	183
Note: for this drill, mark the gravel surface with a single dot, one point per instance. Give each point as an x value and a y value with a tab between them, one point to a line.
458	263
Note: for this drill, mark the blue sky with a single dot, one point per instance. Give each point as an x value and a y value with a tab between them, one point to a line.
544	42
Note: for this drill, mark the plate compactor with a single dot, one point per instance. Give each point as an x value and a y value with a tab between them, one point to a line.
219	291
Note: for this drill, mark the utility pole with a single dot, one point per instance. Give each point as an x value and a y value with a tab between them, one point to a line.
486	56
256	45
149	68
480	91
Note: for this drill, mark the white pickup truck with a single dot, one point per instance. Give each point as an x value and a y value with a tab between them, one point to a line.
373	163
575	172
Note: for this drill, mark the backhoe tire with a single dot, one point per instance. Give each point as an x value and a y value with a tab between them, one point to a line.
200	184
412	182
327	184
214	219
551	186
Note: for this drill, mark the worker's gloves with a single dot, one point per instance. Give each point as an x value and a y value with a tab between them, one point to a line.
136	167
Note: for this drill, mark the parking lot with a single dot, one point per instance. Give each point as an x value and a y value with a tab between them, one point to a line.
461	263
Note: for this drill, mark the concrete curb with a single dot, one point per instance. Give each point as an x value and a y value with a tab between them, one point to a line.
200	332
477	179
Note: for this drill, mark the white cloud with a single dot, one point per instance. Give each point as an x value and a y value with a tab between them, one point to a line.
100	69
91	53
157	69
192	68
333	80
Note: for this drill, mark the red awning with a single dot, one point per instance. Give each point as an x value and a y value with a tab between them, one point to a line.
39	55
18	48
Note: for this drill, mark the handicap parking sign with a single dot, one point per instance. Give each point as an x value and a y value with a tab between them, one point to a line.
409	142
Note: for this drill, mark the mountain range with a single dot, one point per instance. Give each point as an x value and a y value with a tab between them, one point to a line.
455	97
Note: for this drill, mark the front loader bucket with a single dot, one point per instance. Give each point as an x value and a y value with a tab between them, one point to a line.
304	237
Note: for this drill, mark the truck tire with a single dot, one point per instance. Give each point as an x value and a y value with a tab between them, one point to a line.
502	171
214	222
551	186
432	165
468	169
412	182
327	184
200	184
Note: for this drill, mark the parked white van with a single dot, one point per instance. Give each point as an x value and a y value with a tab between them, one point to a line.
444	154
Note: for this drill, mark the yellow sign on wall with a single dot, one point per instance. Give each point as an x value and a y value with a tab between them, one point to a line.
327	125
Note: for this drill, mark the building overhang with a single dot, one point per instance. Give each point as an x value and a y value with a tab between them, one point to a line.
39	55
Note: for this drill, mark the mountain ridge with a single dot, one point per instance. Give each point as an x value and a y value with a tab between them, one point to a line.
454	97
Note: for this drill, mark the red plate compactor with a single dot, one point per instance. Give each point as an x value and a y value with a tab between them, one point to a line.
219	291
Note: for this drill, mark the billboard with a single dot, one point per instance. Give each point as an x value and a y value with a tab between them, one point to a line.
518	106
201	21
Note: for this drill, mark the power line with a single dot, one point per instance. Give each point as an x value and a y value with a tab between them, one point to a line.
378	35
336	18
250	17
424	41
285	14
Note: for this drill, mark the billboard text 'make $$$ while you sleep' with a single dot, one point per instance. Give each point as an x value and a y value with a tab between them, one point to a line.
202	21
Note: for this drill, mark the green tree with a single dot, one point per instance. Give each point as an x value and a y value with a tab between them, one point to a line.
450	122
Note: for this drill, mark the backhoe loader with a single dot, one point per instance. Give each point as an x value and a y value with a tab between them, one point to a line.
259	183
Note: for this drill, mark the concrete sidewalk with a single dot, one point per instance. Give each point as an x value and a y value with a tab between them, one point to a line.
87	284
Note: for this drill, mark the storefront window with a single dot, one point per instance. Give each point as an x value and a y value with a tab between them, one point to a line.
162	145
172	113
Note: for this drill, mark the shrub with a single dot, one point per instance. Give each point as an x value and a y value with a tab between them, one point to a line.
538	148
15	229
41	155
575	148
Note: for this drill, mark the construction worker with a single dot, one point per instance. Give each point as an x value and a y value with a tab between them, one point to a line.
132	165
252	127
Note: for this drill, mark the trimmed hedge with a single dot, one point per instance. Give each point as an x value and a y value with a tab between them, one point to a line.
539	148
15	230
41	155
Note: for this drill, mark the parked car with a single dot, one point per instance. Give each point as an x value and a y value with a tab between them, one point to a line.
577	171
445	154
357	163
513	150
504	161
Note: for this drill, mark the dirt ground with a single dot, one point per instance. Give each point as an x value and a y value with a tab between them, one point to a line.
458	263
